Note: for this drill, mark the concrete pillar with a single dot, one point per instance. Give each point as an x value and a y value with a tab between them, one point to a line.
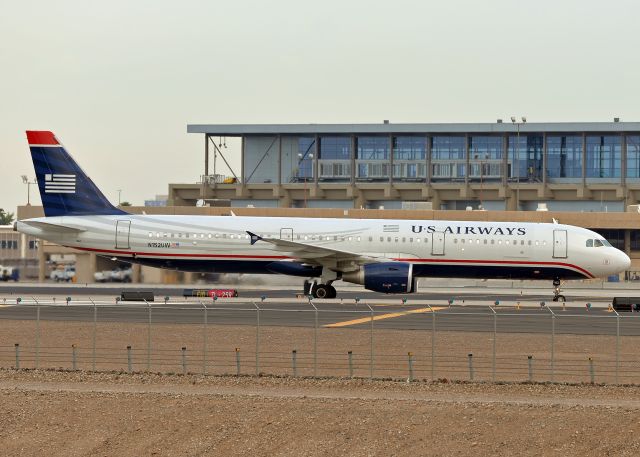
627	242
136	273
42	262
85	268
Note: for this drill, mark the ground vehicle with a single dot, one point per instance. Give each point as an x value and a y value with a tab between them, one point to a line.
64	273
9	273
117	275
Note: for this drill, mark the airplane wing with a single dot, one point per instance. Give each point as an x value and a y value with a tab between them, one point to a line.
318	255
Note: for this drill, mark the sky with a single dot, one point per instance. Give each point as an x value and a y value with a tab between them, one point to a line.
119	81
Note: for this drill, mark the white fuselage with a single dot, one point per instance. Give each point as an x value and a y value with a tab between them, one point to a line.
435	248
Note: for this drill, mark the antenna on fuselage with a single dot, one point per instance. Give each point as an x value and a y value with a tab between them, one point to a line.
555	221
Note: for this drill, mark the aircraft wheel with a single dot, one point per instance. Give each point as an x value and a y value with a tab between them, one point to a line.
322	291
332	292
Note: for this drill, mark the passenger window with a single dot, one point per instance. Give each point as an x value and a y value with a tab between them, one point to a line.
410	240
217	235
358	239
370	238
521	242
350	238
157	234
404	240
396	239
493	241
150	234
455	241
335	237
544	243
388	239
381	239
224	235
589	243
485	241
306	237
462	240
529	242
426	240
418	240
477	241
506	241
499	241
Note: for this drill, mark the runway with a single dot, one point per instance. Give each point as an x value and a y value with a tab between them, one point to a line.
416	317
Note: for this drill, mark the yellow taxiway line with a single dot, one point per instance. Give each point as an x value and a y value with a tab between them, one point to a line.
383	316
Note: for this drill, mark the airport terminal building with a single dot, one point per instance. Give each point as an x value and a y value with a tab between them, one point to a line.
582	166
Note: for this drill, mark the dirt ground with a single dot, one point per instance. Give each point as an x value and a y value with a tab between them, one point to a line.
79	414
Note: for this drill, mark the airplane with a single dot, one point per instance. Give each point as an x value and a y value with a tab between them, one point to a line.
383	255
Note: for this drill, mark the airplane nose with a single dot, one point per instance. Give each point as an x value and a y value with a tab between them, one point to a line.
622	261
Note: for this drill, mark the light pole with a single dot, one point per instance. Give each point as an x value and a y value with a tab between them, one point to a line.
119	193
516	153
25	180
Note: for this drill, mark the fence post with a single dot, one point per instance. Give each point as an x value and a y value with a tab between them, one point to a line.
433	343
237	362
204	338
410	366
495	334
553	344
592	373
257	338
184	360
74	358
371	345
617	343
315	340
294	354
129	368
148	337
350	364
530	364
37	334
93	337
17	356
470	356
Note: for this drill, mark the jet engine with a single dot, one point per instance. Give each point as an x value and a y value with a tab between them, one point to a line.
386	277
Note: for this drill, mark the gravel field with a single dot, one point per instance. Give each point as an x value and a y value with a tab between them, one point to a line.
73	414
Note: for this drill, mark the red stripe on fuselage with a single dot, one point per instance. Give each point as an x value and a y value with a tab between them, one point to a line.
282	257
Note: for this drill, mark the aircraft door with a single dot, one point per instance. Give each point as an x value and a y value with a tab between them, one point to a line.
123	229
437	243
286	234
560	244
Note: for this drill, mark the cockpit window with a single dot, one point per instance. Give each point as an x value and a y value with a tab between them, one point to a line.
589	243
606	243
598	243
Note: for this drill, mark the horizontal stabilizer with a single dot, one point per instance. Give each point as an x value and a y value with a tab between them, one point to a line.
53	227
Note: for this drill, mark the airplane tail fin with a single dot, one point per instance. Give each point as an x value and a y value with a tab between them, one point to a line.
64	188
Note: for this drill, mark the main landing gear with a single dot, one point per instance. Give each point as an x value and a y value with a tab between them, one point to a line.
319	290
556	291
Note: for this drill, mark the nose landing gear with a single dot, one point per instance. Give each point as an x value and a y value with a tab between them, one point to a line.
557	296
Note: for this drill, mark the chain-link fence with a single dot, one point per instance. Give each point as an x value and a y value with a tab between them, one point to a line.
490	343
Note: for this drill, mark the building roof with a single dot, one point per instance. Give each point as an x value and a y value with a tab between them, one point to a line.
387	128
